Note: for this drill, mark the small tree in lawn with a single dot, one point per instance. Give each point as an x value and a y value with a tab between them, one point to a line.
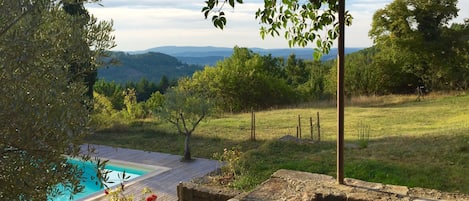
185	107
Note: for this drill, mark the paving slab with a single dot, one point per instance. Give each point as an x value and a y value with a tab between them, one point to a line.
169	170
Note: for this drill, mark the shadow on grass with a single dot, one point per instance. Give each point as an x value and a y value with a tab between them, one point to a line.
149	136
438	162
429	161
431	101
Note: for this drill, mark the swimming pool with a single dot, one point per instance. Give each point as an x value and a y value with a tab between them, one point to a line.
92	186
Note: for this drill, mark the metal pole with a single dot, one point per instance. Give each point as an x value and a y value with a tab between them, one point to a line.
340	94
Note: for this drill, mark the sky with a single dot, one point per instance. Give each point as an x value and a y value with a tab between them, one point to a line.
144	24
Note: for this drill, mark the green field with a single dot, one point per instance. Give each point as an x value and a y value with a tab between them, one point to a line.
424	144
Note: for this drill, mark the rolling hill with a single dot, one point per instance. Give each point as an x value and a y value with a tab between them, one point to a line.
151	66
177	61
209	55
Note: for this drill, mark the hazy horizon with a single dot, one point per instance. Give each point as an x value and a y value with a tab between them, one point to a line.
143	24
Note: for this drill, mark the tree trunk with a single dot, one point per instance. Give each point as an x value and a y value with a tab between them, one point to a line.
187	150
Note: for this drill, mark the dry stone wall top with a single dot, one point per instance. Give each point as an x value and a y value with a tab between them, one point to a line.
290	185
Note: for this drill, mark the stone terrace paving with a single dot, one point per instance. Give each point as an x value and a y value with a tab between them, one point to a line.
163	184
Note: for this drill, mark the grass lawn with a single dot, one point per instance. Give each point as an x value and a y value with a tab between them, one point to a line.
424	144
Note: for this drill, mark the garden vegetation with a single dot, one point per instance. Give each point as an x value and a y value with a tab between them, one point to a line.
51	50
391	137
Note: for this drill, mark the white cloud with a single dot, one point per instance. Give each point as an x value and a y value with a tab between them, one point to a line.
369	6
150	4
142	24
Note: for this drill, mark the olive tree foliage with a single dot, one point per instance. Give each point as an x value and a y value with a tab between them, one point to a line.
303	22
416	35
43	113
185	107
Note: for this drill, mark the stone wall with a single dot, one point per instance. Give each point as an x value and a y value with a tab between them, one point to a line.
189	191
287	185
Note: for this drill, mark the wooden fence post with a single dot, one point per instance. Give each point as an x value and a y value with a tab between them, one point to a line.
254	117
299	125
311	127
253	125
319	129
297	132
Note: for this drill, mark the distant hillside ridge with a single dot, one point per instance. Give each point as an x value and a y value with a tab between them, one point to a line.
209	55
150	65
179	61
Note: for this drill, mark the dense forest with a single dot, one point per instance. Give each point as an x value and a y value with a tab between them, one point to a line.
115	92
151	66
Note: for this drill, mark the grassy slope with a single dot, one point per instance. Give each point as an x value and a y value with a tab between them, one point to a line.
423	144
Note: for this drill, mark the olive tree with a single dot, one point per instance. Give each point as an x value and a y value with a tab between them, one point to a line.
185	107
44	114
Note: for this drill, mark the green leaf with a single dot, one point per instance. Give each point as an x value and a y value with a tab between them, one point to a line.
231	2
270	21
223	21
206	11
317	54
312	36
317	4
330	34
262	32
319	43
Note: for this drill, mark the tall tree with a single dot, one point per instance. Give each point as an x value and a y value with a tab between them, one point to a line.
295	70
244	81
315	86
81	68
164	84
111	90
414	31
44	115
459	70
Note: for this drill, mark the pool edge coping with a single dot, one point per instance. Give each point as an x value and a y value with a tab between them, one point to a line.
141	166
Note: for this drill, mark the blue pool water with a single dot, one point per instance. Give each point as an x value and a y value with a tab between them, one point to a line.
92	185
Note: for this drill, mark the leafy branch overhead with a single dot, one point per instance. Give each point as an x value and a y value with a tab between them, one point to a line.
216	6
302	22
